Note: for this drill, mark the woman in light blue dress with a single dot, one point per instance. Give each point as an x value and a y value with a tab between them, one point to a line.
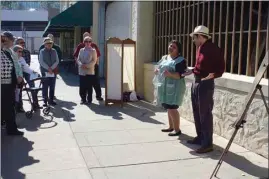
171	86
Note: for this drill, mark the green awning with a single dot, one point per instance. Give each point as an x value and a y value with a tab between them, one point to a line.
79	14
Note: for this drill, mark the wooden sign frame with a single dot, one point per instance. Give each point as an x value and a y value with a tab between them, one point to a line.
127	42
108	99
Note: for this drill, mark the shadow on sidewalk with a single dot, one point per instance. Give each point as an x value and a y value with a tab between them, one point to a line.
35	123
65	107
70	79
14	156
138	110
238	161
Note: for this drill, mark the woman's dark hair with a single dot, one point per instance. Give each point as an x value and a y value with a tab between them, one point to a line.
178	44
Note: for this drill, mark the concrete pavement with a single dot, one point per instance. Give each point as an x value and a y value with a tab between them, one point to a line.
99	142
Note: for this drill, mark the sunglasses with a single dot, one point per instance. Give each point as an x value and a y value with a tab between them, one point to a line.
87	41
22	42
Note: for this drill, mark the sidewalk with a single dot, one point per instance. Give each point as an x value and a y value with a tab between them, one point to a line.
99	142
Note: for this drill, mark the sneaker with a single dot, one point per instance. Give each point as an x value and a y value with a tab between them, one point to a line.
15	133
195	140
174	133
203	150
45	105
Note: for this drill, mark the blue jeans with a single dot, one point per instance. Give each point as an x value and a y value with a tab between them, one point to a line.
48	84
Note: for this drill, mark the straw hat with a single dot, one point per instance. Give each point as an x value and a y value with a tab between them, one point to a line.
202	30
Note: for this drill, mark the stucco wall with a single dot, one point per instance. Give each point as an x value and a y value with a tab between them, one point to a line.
133	20
118	20
229	98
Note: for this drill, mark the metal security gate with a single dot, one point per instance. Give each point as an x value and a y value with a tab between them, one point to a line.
240	28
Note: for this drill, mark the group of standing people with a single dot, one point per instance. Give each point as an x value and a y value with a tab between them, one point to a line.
15	70
171	86
15	67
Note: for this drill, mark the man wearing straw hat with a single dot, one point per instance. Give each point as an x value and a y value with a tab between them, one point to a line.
49	61
209	65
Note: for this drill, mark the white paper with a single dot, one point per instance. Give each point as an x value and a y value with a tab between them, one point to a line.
50	75
188	71
33	76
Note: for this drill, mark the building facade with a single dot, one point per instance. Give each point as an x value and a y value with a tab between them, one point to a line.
241	29
27	20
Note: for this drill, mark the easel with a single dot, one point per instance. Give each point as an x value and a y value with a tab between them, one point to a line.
241	121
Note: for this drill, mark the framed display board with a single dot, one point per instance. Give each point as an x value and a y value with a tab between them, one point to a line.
129	65
114	71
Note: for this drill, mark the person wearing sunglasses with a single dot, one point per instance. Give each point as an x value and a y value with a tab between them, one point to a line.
96	85
27	57
8	86
86	61
59	54
25	53
171	85
26	69
49	61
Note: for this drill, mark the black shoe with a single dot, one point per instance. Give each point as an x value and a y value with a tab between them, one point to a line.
99	99
167	130
89	103
20	110
45	105
82	102
203	150
18	133
174	133
195	140
37	107
53	103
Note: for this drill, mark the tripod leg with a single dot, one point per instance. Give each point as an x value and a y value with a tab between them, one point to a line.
216	170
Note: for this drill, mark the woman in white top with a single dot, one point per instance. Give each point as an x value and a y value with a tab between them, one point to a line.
25	68
86	60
